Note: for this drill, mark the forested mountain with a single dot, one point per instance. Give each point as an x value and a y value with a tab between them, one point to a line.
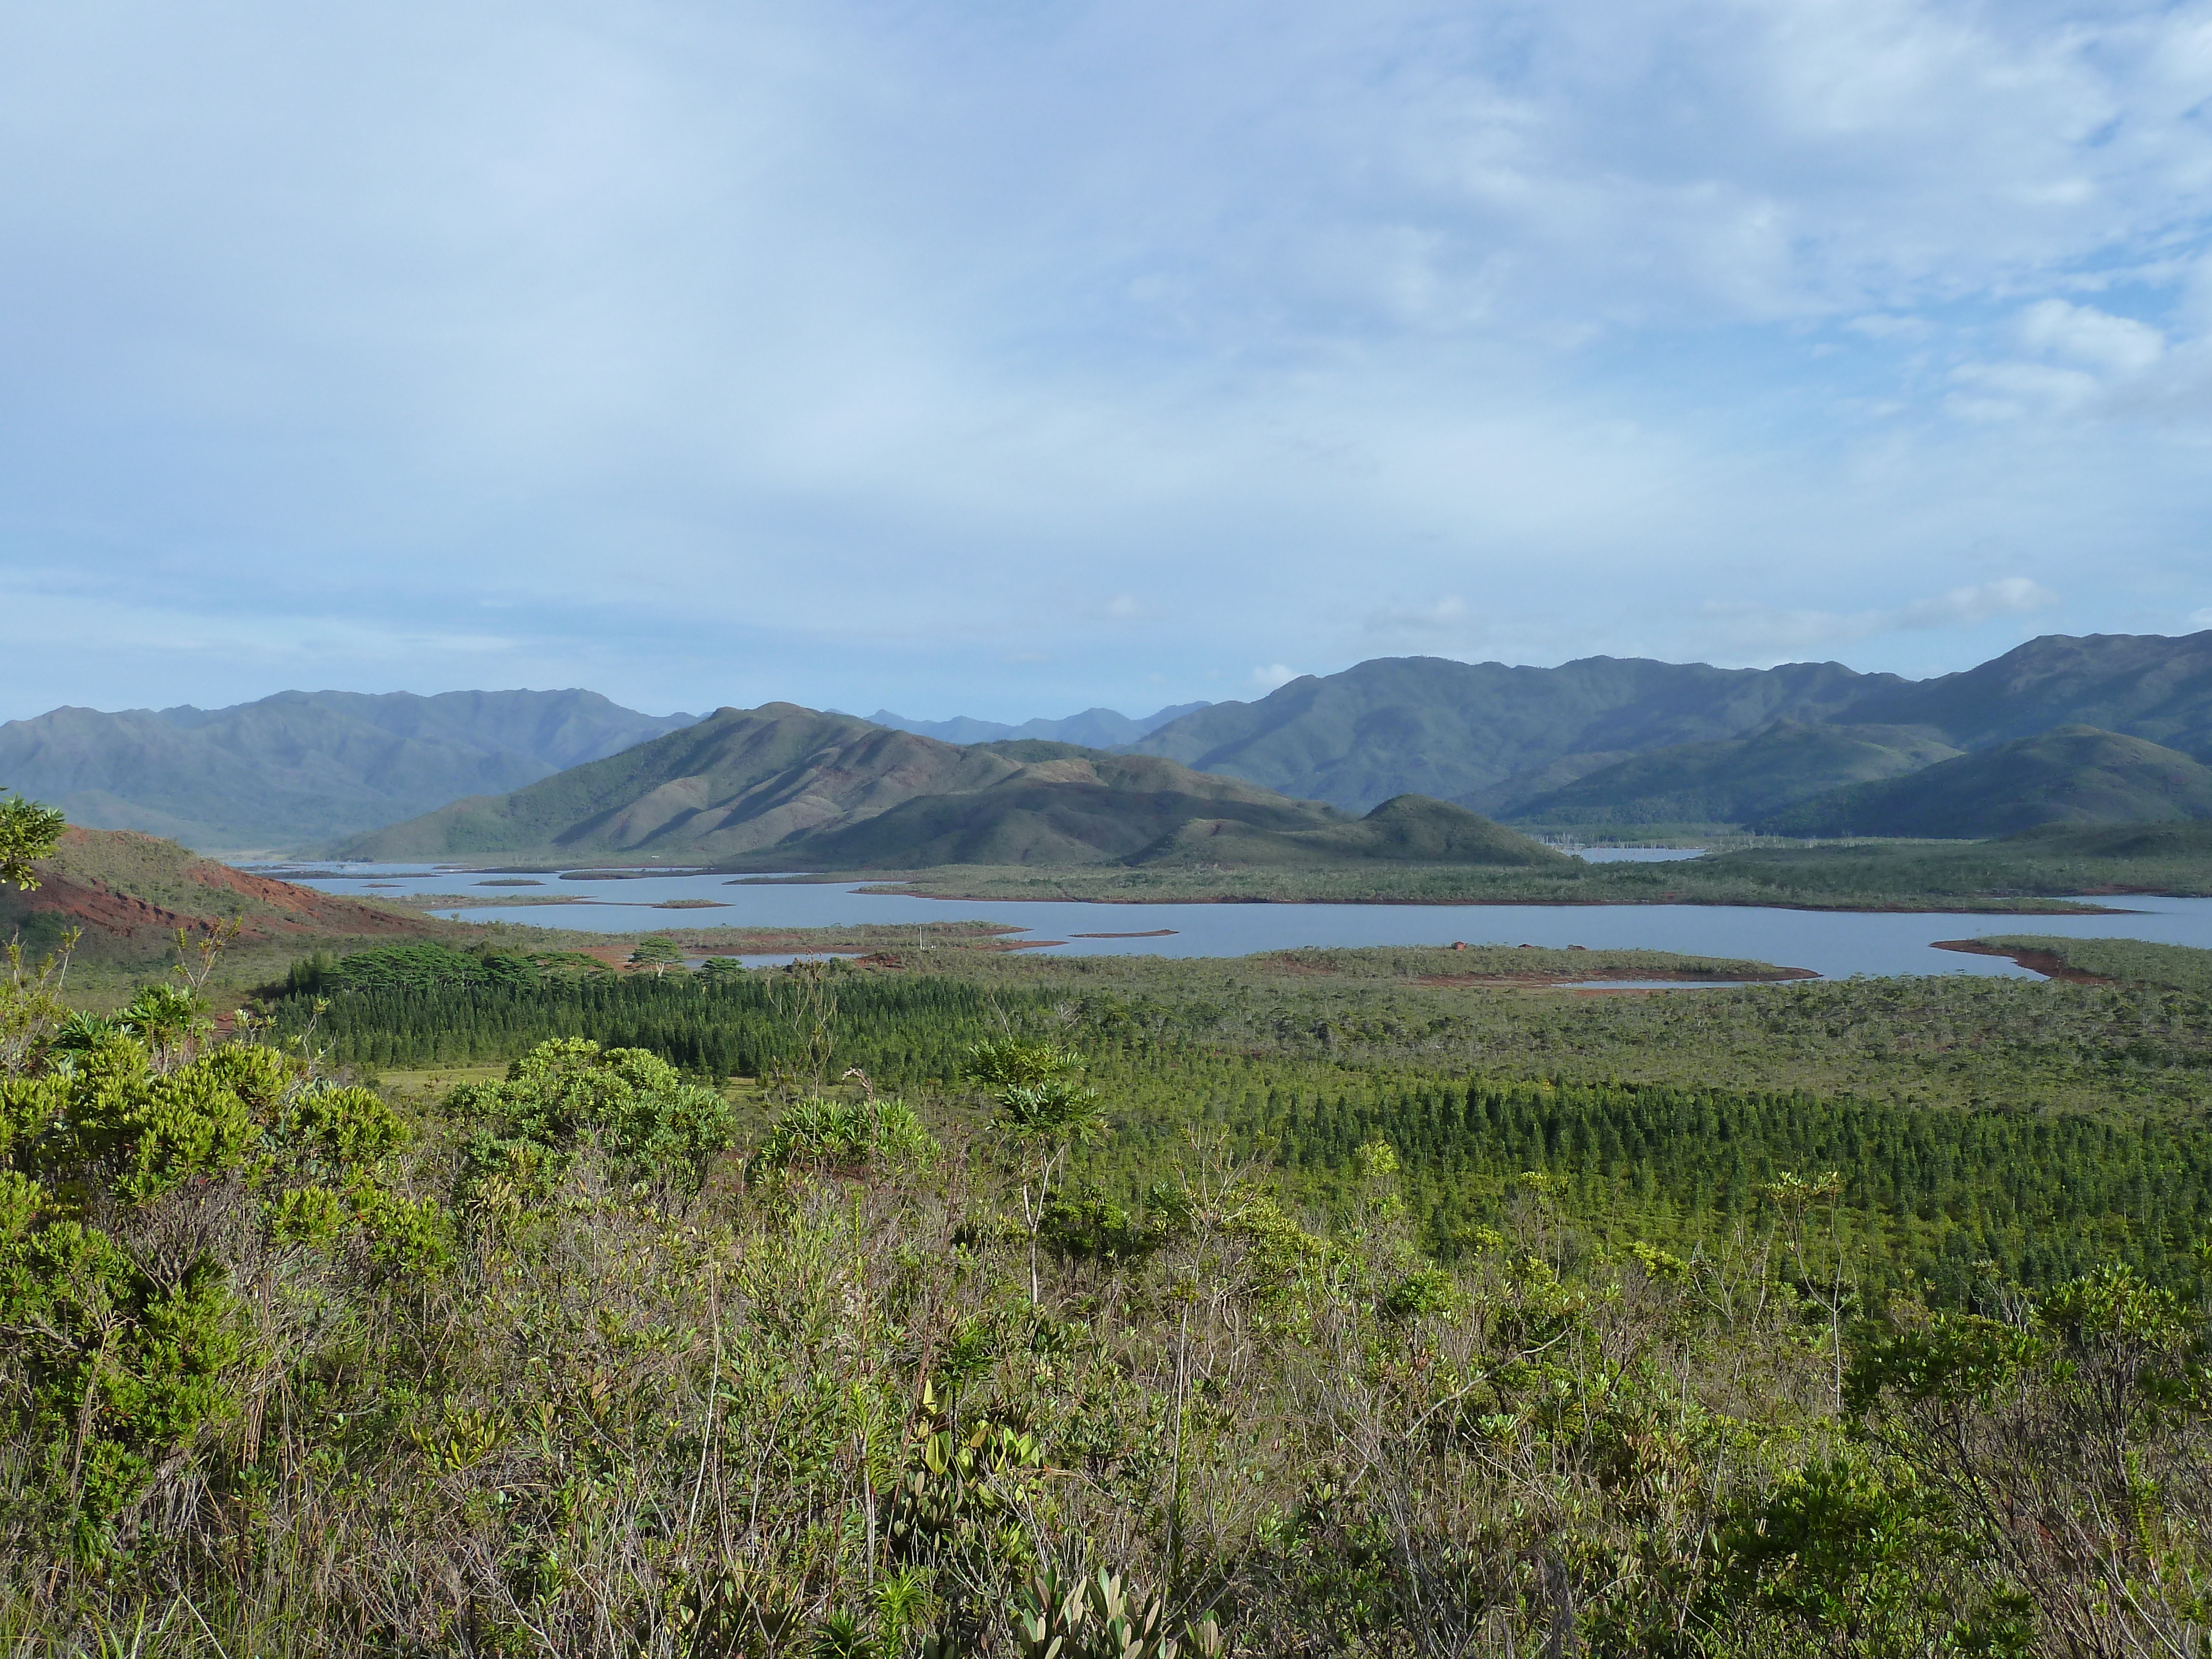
1735	781
1426	726
2141	685
1503	740
301	767
2075	775
1097	728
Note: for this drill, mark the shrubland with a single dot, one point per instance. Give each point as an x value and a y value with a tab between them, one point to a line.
1279	1308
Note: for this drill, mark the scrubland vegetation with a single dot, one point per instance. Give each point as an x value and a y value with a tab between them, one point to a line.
1882	878
1329	1302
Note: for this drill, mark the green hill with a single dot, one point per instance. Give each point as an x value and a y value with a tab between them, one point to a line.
2173	839
299	767
2075	775
1734	780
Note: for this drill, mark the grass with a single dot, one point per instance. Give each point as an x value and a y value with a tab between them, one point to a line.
1422	1387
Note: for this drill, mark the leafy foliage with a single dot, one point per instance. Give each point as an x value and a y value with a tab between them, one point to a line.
647	1123
28	832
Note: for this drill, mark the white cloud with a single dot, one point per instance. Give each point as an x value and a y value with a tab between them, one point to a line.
2096	339
1760	631
1271	677
1446	623
2011	392
791	332
2092	360
1127	608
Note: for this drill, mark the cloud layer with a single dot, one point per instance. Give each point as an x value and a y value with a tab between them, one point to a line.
1010	360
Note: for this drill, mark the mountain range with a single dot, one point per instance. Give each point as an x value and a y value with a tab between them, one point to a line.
1595	743
1496	737
302	767
785	787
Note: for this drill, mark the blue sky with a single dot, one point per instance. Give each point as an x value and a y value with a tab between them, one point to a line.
1007	359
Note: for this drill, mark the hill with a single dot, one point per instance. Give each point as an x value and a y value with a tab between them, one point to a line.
1735	781
2075	775
2171	840
744	781
785	787
735	783
1448	730
1098	728
299	767
131	892
1064	805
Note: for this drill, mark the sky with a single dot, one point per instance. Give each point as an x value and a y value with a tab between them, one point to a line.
1011	359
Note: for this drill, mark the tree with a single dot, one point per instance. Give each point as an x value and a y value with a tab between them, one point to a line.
1043	1112
27	833
656	953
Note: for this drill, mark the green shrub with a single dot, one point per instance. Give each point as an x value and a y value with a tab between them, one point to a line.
845	1138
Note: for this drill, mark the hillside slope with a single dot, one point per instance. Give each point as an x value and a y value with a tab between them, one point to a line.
1427	725
130	893
2141	685
784	787
300	768
2075	775
1735	781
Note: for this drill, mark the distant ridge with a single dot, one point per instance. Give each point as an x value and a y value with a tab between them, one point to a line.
1502	739
301	767
1094	728
1451	729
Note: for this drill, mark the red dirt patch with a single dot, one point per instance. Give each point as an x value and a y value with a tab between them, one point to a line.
272	909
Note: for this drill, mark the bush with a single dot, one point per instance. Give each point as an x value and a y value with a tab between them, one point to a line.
629	1105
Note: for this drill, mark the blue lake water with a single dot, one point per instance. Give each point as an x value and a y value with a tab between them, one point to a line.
1831	943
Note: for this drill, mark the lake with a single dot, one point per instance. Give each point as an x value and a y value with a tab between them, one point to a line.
1836	944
